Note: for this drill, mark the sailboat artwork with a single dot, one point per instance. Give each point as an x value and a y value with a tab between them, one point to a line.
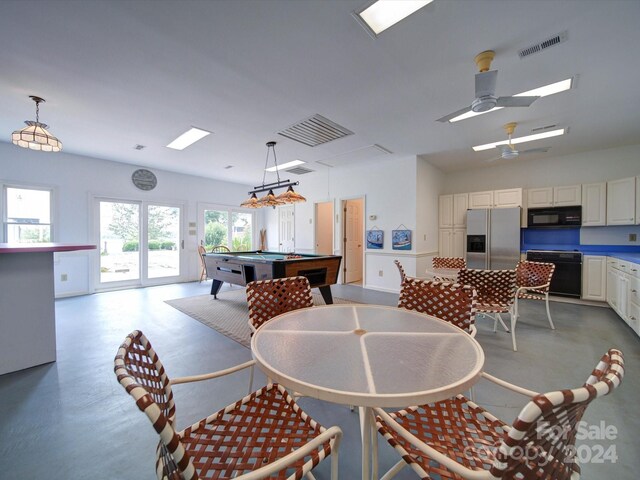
401	239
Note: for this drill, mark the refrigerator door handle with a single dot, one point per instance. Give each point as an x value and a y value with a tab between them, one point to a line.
488	256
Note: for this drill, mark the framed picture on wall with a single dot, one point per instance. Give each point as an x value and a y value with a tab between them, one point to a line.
401	239
375	239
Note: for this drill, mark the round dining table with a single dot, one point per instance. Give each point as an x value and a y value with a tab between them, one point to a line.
368	356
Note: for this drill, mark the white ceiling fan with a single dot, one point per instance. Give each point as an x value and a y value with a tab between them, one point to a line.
508	151
486	88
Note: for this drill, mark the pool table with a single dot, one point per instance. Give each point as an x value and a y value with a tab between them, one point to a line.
240	268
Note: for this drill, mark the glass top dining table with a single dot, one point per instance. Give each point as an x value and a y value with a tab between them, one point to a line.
368	356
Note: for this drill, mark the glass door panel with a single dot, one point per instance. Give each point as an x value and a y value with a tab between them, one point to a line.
241	231
216	229
163	241
119	241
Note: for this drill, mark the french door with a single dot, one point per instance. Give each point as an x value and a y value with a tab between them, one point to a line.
140	243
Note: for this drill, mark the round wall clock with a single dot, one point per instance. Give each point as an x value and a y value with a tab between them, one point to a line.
144	179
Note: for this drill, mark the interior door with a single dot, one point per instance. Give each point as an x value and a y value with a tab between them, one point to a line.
354	230
324	228
286	218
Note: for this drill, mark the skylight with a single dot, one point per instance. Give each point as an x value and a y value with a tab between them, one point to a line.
544	91
290	164
189	137
528	138
383	14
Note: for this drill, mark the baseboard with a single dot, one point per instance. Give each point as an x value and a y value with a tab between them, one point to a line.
578	301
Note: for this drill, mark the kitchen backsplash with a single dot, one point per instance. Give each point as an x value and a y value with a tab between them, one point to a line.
586	239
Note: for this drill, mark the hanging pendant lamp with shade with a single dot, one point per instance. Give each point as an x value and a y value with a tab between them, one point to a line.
35	135
271	199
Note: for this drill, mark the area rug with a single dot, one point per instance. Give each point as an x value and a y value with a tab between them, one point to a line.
228	314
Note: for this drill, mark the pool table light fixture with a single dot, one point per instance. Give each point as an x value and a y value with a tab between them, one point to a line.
271	199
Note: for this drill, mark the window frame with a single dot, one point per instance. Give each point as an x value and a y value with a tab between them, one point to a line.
53	220
201	227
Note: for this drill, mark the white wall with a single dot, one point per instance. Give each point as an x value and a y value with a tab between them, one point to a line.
430	182
587	167
78	179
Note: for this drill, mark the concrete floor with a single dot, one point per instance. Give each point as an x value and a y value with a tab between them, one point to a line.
72	420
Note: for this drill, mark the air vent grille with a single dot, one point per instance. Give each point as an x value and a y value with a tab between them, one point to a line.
299	170
315	130
539	129
540	46
139	147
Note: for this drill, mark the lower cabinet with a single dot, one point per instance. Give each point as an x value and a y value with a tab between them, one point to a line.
623	291
594	278
452	242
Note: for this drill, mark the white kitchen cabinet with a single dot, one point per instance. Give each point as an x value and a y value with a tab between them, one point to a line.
563	196
445	211
481	200
594	204
540	197
452	242
638	200
612	287
460	206
621	201
510	197
623	291
594	278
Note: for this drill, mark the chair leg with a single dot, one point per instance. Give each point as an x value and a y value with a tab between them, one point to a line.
546	300
393	471
514	319
504	325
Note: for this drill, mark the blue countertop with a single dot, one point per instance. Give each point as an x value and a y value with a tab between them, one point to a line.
630	254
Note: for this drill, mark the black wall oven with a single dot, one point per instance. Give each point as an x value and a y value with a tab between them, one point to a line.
567	276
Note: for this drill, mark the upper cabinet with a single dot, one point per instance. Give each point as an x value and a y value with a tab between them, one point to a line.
621	201
453	210
594	204
554	196
511	197
638	200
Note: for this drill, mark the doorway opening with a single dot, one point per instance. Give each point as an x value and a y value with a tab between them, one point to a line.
324	228
352	238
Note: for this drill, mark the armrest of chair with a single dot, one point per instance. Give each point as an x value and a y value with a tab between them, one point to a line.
534	288
219	373
334	434
510	386
448	462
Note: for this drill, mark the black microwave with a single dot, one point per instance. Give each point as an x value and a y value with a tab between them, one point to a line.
554	217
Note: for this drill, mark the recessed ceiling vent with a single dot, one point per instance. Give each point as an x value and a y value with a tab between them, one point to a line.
299	170
139	147
315	130
540	46
540	129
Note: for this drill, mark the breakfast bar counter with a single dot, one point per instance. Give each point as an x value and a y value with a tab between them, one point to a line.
27	308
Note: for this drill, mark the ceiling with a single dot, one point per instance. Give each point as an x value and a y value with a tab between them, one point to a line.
119	73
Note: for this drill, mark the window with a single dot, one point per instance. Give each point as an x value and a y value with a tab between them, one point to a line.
27	215
227	227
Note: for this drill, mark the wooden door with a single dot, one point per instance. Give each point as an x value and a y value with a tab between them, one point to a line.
286	242
354	230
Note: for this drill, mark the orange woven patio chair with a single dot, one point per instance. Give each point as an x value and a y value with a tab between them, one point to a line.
533	280
403	275
203	265
451	302
269	298
263	435
496	294
448	262
457	439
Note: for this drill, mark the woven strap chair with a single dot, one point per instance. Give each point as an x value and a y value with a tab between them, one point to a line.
263	435
448	262
403	275
496	294
269	298
457	439
451	302
533	280
203	265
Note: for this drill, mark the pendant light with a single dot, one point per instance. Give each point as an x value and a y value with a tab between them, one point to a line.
271	199
35	135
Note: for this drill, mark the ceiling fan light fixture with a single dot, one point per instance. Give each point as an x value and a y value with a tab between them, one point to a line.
35	135
484	104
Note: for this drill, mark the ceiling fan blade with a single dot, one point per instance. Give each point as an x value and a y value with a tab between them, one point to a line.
486	83
515	101
446	118
536	150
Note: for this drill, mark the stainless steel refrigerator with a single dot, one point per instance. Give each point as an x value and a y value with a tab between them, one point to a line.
493	238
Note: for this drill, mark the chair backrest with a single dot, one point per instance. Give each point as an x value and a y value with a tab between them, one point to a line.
548	424
403	275
220	249
448	262
496	287
141	373
269	298
532	274
450	302
201	252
